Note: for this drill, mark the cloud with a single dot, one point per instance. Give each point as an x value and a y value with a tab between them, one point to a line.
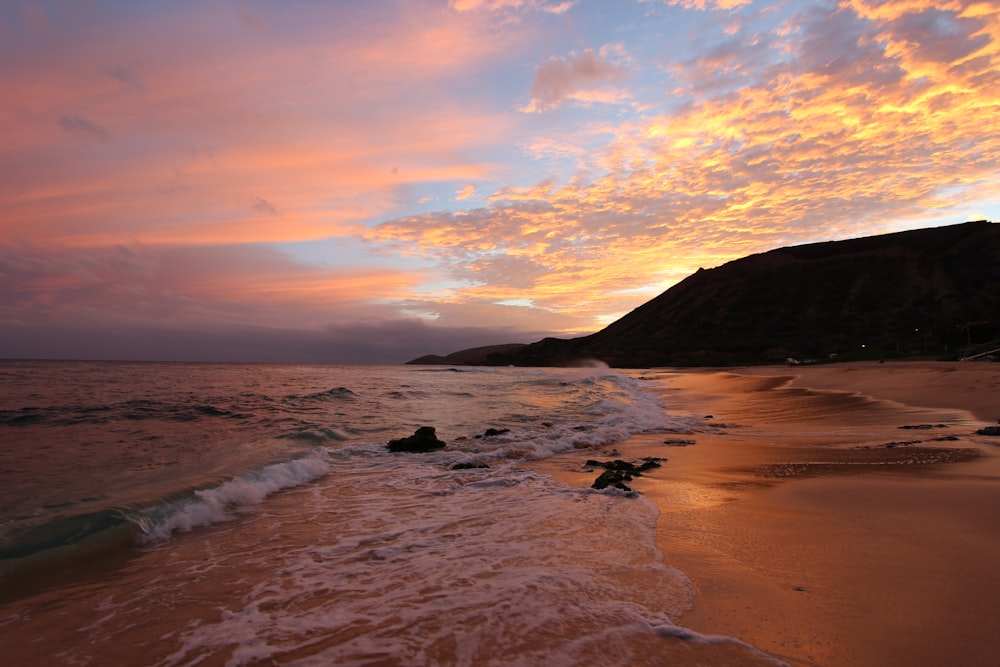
140	285
363	118
264	206
501	5
127	78
372	342
231	303
557	79
473	5
83	129
840	120
726	66
560	8
558	252
707	4
935	35
249	19
831	129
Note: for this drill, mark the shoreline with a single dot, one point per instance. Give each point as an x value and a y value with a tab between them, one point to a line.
816	530
966	385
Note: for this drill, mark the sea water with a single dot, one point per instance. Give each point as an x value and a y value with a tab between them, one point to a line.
237	514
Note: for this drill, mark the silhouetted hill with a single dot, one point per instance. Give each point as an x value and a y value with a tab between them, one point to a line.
476	356
923	292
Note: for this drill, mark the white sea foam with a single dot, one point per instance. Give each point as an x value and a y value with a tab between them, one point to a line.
591	407
421	566
219	503
396	558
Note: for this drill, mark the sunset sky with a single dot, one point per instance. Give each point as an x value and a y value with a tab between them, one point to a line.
372	181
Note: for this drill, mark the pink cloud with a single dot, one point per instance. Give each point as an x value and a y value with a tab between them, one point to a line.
557	79
492	5
509	5
708	4
194	286
122	136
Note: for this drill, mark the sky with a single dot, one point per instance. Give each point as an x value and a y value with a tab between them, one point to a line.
367	182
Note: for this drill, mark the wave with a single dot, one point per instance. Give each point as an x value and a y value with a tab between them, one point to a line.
136	410
212	505
117	527
335	394
457	369
543	414
586	411
317	435
60	532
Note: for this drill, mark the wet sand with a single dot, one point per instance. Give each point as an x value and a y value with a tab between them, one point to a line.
966	385
817	529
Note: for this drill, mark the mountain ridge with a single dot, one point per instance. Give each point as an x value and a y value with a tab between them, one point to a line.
924	292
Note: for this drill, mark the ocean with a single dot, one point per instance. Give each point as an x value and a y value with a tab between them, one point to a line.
251	514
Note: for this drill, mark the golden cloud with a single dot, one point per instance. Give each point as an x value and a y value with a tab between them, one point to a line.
880	112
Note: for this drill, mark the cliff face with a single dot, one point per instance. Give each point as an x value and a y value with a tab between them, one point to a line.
928	291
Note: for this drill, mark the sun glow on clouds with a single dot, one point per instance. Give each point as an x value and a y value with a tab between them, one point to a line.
173	162
847	119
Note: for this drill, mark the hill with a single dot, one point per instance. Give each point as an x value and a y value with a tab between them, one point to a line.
930	292
475	356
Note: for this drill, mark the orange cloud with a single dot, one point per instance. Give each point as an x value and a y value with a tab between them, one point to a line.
876	116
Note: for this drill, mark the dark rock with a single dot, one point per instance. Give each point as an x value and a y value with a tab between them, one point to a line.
490	432
615	478
989	430
424	439
468	466
678	442
617	472
617	464
624	466
903	443
923	427
648	463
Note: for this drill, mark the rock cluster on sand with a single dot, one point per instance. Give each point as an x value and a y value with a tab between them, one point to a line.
424	439
617	472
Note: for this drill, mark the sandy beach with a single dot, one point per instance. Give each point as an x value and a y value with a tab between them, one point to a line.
832	515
